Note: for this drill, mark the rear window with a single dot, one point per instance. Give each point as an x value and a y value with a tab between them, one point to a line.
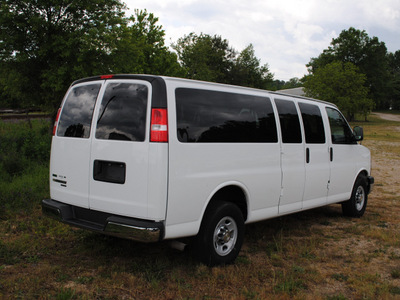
77	112
205	116
122	113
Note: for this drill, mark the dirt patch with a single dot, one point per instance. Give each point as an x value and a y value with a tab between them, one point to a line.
389	117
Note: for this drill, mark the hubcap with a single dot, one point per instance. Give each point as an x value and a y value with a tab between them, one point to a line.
225	236
360	198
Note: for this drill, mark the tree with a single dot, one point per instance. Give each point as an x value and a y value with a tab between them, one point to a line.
205	57
140	48
46	44
210	58
292	83
247	70
368	54
43	41
394	69
342	84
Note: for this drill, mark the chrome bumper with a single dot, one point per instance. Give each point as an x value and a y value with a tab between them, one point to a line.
129	228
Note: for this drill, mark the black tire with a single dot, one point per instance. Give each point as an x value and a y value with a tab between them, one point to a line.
356	205
221	234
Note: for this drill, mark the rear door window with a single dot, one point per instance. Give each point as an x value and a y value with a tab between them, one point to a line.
313	124
205	116
289	120
76	117
122	114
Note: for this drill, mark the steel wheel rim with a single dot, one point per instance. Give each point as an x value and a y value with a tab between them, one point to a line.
360	198
225	236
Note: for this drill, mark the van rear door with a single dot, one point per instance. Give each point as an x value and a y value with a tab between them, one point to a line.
70	148
120	149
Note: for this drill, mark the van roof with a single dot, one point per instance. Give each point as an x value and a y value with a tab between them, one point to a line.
159	81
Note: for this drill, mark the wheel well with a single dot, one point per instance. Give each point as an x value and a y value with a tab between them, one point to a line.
233	194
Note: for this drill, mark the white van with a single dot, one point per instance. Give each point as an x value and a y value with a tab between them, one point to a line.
151	158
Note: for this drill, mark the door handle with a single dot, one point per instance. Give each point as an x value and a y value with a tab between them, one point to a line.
307	155
331	153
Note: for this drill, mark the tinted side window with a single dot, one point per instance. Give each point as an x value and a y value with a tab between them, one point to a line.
340	130
76	117
218	117
289	120
313	124
122	113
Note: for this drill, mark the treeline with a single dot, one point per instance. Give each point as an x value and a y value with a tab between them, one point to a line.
357	73
46	44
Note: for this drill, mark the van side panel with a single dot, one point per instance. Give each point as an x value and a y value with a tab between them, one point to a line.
196	170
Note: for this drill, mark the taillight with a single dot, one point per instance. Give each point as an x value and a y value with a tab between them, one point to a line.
159	125
106	76
56	122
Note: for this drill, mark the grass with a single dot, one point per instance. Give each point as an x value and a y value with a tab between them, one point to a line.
316	254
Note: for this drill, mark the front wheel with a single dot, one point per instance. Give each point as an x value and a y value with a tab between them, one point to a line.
356	205
221	234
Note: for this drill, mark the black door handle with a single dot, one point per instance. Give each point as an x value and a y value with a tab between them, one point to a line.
331	153
307	155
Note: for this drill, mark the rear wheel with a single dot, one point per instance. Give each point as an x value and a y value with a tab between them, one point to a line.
221	234
356	205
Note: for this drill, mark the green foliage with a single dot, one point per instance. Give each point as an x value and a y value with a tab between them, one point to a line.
368	54
43	41
342	84
205	57
247	70
210	58
24	156
45	45
8	255
293	83
65	294
394	68
140	48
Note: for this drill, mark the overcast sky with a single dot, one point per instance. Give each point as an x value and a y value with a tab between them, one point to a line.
285	33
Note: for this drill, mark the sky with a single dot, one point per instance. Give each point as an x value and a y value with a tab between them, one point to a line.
285	33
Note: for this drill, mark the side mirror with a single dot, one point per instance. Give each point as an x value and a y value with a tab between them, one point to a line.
358	133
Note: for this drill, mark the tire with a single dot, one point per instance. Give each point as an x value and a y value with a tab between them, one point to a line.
221	234
356	205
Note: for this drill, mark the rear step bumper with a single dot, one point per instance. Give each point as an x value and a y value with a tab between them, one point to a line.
130	228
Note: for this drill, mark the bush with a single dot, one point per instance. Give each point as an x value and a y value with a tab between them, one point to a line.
24	157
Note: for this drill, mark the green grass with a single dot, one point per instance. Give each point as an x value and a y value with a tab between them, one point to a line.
314	254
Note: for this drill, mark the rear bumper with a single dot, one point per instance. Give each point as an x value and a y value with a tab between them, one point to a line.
130	228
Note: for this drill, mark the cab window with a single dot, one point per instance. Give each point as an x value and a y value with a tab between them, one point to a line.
340	130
